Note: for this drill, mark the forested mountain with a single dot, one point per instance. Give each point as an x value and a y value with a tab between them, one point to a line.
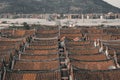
56	6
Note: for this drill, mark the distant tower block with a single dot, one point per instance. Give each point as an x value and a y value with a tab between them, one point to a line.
101	17
82	16
69	16
88	17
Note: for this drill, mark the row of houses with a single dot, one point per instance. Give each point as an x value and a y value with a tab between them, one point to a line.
50	53
109	15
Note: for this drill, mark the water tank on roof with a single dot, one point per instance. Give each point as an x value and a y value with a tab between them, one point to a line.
111	67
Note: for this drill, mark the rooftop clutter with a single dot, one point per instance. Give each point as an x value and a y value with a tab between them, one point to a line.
53	53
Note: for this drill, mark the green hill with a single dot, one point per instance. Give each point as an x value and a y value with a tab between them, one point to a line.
56	6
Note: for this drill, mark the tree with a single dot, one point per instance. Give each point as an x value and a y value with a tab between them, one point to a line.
26	26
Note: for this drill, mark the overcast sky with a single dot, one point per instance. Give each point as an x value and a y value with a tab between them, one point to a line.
114	2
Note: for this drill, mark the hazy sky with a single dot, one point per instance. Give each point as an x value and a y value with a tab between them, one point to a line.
114	2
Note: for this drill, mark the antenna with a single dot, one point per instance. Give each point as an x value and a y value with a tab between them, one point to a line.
106	52
101	47
95	43
98	42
